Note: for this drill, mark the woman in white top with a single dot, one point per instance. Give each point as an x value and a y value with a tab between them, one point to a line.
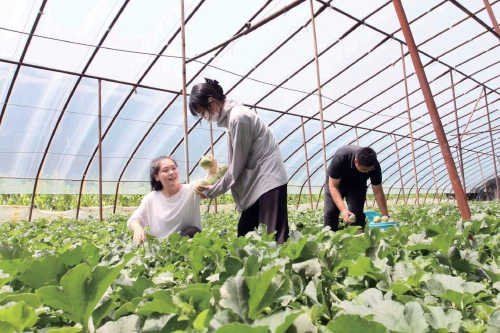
256	176
170	206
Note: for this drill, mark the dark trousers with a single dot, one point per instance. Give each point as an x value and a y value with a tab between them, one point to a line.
190	231
355	204
271	210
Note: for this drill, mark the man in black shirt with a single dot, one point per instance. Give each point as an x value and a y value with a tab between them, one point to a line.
350	168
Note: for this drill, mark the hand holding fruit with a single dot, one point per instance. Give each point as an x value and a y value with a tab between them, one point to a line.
345	216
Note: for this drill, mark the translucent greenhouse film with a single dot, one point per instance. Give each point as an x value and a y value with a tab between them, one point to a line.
66	66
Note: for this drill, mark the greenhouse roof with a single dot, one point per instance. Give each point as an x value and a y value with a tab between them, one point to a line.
55	54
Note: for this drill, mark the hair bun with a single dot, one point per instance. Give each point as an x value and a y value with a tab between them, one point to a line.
216	85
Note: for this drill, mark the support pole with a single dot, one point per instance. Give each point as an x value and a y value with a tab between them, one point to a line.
319	196
492	145
482	177
213	156
400	173
184	93
459	141
433	173
99	120
318	79
307	161
433	112
410	127
471	114
492	16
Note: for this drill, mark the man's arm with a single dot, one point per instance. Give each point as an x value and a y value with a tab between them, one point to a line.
378	191
333	185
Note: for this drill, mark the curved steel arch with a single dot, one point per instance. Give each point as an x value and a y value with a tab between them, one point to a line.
173	100
125	102
66	104
21	58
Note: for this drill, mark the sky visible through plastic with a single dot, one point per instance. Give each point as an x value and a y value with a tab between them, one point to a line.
48	124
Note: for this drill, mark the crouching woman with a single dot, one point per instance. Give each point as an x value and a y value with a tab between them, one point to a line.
170	206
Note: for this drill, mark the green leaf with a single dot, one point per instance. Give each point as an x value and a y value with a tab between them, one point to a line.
232	265
279	322
473	326
364	304
174	325
19	316
31	300
137	288
6	327
401	318
312	289
265	289
127	308
88	253
45	272
241	328
439	283
196	259
162	303
203	319
308	269
65	330
123	325
251	266
439	320
354	323
364	267
82	289
102	311
235	295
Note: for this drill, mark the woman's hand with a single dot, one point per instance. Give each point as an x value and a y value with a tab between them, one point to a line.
200	193
139	236
212	170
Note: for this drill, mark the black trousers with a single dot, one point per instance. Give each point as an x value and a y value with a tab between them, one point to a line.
190	231
271	210
355	204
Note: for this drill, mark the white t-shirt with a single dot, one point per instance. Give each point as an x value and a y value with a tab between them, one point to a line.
167	215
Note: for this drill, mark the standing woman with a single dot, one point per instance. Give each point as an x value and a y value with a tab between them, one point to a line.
256	176
170	206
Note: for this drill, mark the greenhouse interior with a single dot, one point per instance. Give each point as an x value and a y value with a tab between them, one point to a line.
92	91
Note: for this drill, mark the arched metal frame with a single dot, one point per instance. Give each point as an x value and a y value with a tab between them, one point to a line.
464	161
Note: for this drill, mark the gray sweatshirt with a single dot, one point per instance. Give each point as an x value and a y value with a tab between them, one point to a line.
254	158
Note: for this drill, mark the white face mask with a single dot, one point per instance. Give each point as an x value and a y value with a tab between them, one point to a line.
211	117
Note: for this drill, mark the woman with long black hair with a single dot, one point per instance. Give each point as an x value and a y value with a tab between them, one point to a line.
256	176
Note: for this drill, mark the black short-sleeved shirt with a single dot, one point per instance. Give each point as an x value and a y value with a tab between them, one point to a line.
342	167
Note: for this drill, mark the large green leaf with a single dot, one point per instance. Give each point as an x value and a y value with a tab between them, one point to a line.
136	289
265	289
235	296
19	316
439	320
308	269
31	300
354	323
440	283
365	267
45	272
232	265
397	317
123	325
82	289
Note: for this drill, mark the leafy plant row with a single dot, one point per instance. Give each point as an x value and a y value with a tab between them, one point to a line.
434	273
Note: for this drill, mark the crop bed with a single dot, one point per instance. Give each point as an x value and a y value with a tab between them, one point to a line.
434	273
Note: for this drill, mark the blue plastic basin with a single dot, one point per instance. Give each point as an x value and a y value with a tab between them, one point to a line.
381	225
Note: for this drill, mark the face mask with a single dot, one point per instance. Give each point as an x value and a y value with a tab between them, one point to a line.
211	117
